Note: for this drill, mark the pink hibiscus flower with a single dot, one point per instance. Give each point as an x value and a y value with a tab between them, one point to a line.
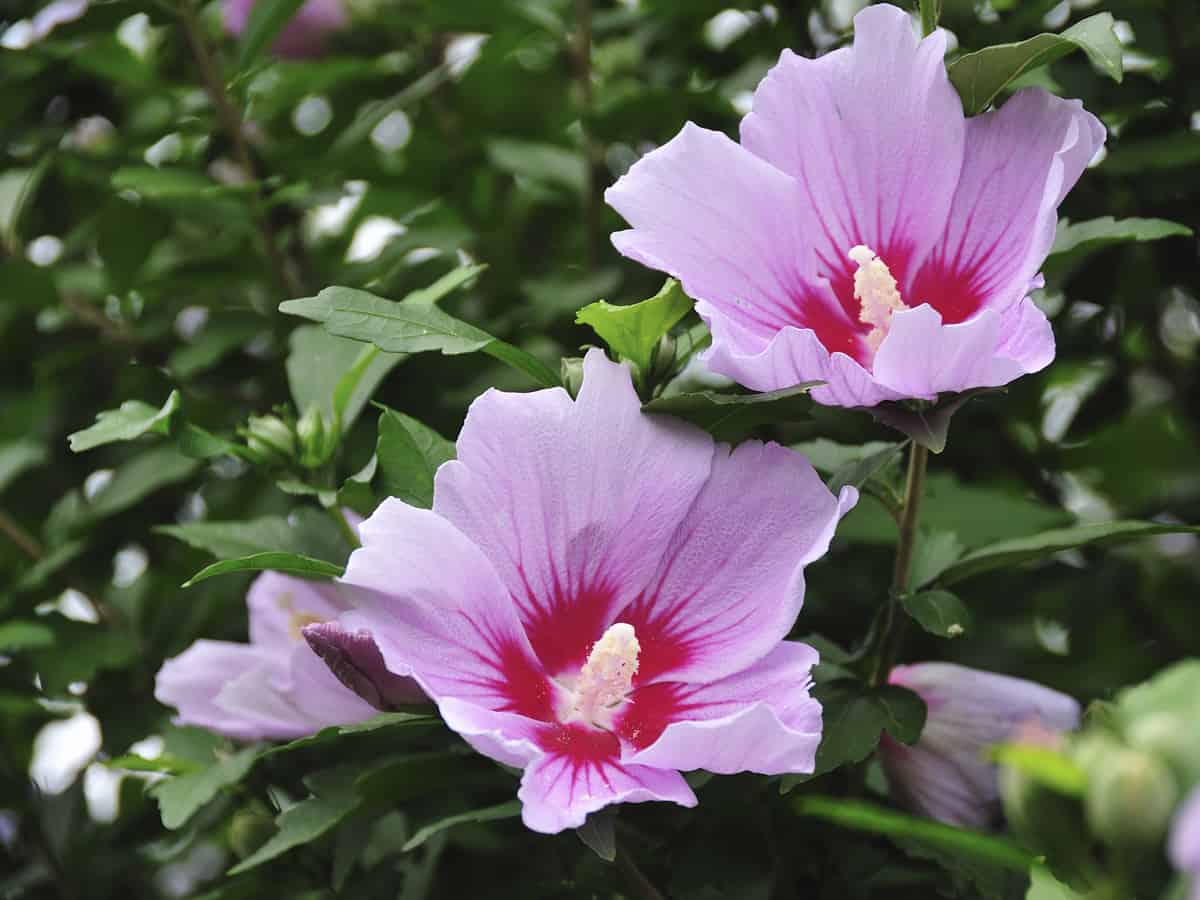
599	597
864	233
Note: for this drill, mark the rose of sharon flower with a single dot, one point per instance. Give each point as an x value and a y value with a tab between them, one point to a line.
1184	845
275	686
946	775
864	233
600	597
305	33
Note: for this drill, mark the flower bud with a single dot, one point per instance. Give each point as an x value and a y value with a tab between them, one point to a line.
1129	799
662	360
270	440
354	657
1048	822
1174	739
318	439
946	775
572	374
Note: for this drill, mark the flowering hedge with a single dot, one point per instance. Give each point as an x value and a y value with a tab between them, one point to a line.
589	449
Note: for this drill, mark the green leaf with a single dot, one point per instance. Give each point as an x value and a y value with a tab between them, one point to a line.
17	635
1037	546
935	551
267	18
333	798
861	470
130	420
409	454
633	332
544	163
37	574
140	476
981	76
1084	237
390	721
414	324
1044	765
336	374
288	563
80	650
180	797
127	233
168	184
17	458
306	532
855	717
508	810
868	817
939	612
734	414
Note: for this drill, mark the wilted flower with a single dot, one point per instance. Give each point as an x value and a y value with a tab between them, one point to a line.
864	233
946	775
1184	845
305	33
275	686
600	597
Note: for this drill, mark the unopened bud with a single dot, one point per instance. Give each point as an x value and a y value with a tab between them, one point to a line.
572	374
318	439
1129	799
270	439
662	360
1172	738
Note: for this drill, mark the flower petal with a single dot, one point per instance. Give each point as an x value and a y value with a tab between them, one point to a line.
793	356
729	226
921	357
281	605
506	737
558	791
227	688
439	612
873	134
573	502
762	719
1184	844
732	580
1026	337
1021	160
319	695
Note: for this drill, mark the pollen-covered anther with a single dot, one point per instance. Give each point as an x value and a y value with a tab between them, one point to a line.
876	291
607	676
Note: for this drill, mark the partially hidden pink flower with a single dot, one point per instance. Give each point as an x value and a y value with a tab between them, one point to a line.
946	775
599	597
1184	844
864	233
274	687
305	34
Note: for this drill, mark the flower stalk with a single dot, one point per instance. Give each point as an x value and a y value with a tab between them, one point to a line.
891	633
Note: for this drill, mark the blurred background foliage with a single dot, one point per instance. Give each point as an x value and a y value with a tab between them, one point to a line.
146	242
